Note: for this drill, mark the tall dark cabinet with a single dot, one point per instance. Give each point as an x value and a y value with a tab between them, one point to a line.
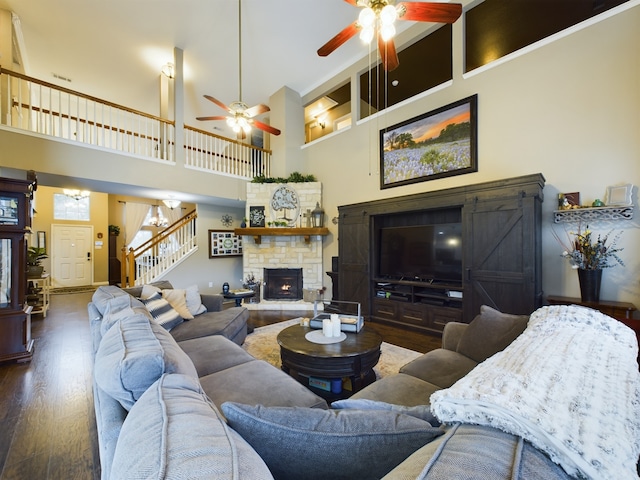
501	253
15	315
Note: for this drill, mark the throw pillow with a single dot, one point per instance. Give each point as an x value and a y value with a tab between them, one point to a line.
489	333
423	412
161	311
149	290
311	443
174	431
194	302
177	299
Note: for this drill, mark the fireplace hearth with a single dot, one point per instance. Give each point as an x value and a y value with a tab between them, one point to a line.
283	284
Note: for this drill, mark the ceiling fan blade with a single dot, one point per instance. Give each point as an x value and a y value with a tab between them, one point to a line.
339	39
266	128
388	53
217	102
429	11
257	110
211	118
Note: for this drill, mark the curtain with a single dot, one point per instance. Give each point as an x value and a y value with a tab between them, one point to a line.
135	213
171	215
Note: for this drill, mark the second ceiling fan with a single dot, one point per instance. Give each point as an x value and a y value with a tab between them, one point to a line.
377	19
241	116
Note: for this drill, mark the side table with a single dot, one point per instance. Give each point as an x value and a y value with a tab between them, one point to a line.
238	296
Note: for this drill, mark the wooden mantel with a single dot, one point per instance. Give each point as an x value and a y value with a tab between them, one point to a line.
258	232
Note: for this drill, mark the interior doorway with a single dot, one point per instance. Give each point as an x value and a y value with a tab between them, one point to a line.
71	255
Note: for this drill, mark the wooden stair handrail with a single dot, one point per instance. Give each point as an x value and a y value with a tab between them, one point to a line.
129	257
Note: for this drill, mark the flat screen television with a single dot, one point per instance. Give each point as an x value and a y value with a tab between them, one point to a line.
421	253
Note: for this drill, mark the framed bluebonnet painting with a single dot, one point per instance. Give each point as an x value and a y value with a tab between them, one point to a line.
437	144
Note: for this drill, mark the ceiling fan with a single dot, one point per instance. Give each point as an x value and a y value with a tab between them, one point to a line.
378	17
241	116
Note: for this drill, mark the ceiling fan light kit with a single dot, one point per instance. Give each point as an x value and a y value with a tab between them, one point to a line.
379	16
240	117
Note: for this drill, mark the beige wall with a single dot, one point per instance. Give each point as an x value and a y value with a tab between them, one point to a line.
570	110
43	219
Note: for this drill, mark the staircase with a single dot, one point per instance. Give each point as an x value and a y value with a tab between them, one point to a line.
160	254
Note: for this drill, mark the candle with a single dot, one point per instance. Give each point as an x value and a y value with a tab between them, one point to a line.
327	329
335	324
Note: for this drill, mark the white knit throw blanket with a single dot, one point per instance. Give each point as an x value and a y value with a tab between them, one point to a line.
569	385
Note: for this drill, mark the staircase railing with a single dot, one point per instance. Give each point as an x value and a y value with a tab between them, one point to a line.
159	254
29	104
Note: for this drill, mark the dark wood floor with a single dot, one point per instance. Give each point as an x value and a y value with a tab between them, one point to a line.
46	405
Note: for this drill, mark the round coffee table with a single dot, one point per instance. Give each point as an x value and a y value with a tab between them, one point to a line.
353	358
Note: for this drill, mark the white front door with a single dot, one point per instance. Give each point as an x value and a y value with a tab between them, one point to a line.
71	255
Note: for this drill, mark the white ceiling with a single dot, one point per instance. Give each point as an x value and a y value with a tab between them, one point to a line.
115	49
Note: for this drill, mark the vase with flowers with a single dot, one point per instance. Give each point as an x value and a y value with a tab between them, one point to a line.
590	257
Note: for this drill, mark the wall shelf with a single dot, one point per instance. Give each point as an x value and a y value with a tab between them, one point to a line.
258	232
624	212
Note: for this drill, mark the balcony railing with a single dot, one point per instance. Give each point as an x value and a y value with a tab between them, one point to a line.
33	105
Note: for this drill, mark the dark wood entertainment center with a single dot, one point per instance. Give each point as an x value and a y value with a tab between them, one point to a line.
501	253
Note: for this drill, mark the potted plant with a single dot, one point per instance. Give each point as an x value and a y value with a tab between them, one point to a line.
35	255
590	257
114	230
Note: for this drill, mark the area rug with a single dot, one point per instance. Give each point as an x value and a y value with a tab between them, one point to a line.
262	345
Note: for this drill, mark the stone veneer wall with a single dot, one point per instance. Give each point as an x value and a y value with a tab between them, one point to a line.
289	251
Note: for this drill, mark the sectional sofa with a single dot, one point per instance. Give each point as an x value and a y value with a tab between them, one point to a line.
201	407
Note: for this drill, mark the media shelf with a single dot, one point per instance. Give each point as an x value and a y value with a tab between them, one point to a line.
424	305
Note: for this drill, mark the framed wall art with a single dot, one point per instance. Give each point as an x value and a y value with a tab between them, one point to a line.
256	216
224	243
439	143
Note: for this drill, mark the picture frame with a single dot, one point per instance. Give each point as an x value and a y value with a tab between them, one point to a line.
440	143
256	216
567	201
619	195
224	243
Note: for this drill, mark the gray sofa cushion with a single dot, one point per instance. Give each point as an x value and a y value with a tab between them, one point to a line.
103	294
133	354
472	451
230	323
440	367
398	389
137	290
214	353
258	382
490	332
174	431
119	307
423	412
312	444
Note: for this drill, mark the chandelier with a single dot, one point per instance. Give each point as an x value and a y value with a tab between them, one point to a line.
158	220
76	194
171	203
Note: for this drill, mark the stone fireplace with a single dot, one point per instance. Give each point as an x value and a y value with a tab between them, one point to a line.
282	252
283	284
